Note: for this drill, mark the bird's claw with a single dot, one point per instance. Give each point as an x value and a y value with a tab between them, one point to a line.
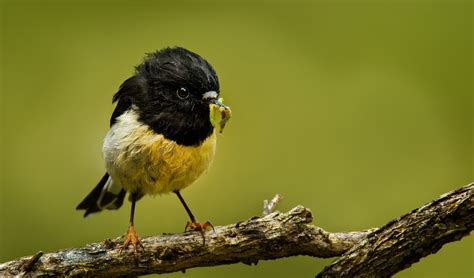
132	238
196	226
201	228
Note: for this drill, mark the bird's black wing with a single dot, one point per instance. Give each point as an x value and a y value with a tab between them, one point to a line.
129	90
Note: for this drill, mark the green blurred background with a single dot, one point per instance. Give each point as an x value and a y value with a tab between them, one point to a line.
361	111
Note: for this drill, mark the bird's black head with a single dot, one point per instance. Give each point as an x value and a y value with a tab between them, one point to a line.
171	69
171	91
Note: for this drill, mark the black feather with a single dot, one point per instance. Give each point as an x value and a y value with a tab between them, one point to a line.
152	90
90	202
129	90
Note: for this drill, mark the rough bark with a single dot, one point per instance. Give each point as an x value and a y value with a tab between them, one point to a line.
374	253
273	236
405	240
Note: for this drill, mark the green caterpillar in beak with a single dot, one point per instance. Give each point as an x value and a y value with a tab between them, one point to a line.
219	114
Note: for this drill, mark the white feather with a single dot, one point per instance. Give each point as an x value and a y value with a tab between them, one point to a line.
209	95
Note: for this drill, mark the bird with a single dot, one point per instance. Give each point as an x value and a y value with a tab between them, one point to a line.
162	134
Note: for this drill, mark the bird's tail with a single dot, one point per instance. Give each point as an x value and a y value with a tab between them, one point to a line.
106	195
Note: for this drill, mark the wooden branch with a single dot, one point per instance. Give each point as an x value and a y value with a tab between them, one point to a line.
276	235
404	241
270	206
376	252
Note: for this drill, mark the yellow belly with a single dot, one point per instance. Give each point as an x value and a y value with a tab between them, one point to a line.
143	161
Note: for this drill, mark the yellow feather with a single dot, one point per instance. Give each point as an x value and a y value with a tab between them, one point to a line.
152	164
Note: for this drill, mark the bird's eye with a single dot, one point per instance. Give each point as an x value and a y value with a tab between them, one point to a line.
182	93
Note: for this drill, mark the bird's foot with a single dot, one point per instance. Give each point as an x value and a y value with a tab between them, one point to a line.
132	238
201	228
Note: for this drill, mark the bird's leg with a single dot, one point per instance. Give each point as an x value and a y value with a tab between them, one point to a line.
194	225
132	236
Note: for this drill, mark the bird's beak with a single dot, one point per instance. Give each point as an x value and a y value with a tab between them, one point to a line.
219	113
